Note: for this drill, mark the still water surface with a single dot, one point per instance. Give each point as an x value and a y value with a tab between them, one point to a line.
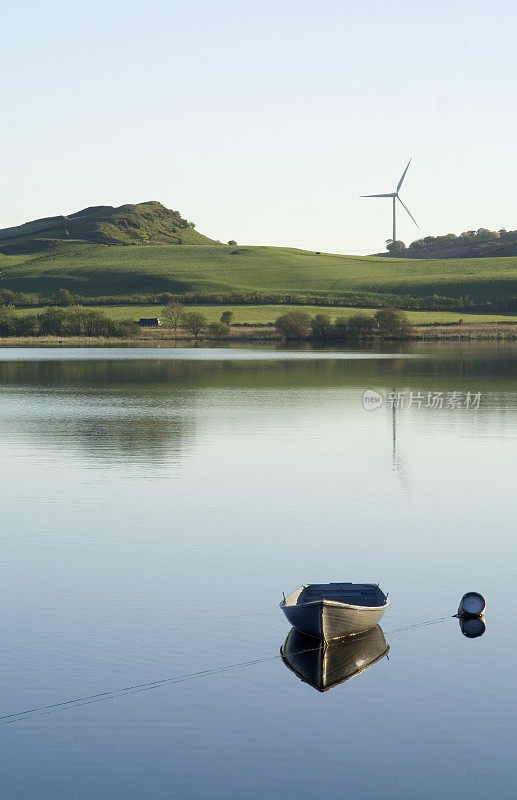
156	503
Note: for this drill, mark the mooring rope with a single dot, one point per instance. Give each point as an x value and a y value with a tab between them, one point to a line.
29	713
139	687
417	625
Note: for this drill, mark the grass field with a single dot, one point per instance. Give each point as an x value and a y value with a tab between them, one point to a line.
99	270
265	314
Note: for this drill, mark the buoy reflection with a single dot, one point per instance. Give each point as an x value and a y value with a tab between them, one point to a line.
472	627
325	665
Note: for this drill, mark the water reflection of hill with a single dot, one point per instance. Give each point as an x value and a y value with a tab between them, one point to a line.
108	415
137	439
145	409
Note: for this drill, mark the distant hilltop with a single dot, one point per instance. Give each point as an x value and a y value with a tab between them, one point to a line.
482	243
142	223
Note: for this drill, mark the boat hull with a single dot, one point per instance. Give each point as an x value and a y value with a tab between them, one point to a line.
328	620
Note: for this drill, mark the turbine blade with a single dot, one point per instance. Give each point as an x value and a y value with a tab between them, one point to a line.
399	184
391	194
409	212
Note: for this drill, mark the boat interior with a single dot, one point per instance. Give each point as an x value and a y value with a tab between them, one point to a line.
354	594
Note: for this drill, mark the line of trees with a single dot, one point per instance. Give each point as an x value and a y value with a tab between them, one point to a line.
195	323
79	321
63	322
387	323
450	241
435	302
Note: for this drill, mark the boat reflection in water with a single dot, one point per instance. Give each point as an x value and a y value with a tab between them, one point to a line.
325	665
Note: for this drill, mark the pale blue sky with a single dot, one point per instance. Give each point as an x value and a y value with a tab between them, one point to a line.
263	121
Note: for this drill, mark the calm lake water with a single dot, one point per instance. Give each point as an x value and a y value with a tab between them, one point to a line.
156	503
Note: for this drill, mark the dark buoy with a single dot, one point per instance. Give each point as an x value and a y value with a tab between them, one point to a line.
472	627
472	604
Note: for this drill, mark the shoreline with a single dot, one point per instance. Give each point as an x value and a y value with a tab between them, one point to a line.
264	333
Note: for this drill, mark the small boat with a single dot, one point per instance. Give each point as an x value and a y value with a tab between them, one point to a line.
323	665
331	610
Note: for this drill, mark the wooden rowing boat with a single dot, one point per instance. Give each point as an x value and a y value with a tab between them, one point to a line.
330	610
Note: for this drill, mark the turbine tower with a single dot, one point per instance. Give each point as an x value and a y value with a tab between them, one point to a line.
395	196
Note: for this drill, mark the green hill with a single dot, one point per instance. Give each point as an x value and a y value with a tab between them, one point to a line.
144	223
41	257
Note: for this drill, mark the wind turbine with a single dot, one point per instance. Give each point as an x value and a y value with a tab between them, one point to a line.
395	196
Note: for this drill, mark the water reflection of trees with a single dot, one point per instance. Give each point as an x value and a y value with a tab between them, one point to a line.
143	409
104	414
137	439
439	369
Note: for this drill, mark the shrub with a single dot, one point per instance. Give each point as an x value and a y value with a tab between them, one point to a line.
393	323
63	298
52	321
7	297
321	326
226	317
194	322
126	327
396	248
173	312
341	328
12	324
27	325
7	321
60	322
218	330
361	326
81	322
293	325
88	323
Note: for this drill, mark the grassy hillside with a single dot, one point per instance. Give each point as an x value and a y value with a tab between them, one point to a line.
94	270
144	223
140	252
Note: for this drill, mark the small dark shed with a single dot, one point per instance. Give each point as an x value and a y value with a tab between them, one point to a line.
152	322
